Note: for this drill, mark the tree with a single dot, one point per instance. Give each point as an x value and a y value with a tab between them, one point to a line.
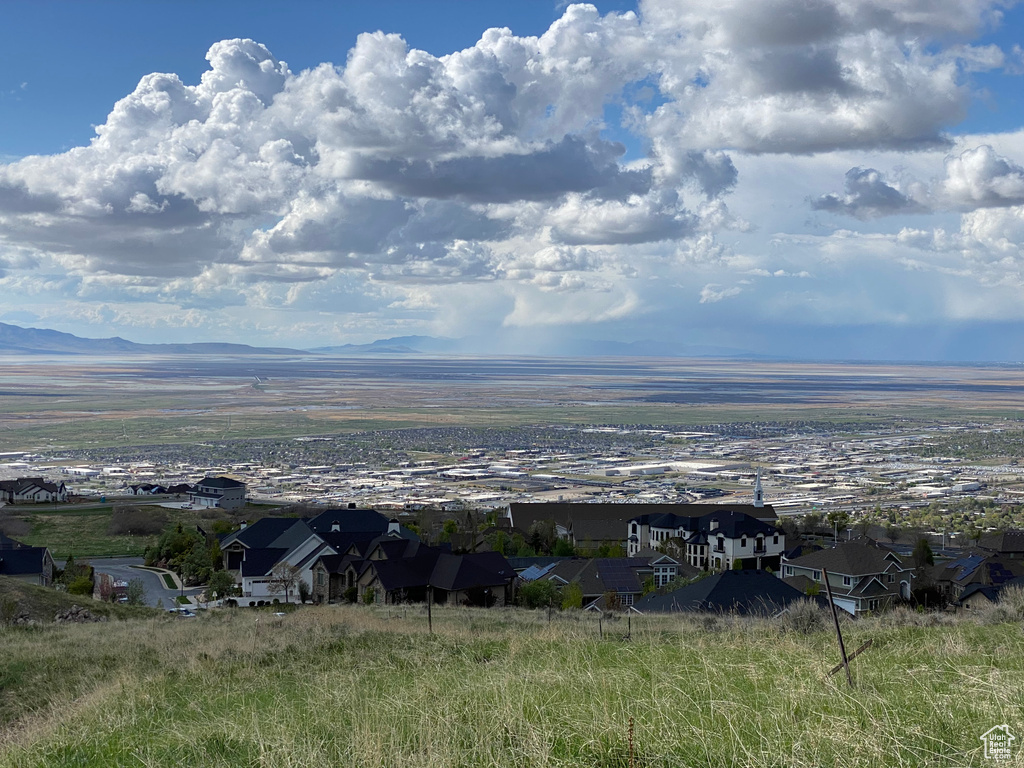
538	594
892	532
542	535
284	577
304	591
922	555
136	592
562	548
220	585
811	522
572	596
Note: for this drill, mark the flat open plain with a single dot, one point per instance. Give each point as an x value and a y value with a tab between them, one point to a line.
74	402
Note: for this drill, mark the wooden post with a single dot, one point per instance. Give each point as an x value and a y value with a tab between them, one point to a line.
851	657
600	628
430	618
839	633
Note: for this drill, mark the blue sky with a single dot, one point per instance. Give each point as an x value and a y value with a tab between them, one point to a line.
808	178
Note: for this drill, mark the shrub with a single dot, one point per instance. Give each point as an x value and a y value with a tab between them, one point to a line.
129	520
368	596
351	594
804	616
538	594
572	596
80	586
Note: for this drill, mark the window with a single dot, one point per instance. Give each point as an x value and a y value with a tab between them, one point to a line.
847	581
816	575
775	539
633	529
789	570
891	578
743	542
626	599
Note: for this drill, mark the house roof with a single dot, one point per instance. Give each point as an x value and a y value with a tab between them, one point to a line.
740	592
26	560
259	562
734	524
851	558
6	542
1004	542
599	575
264	532
482	569
526	513
220	482
598	530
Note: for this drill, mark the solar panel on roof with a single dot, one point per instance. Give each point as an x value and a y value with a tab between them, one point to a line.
618	577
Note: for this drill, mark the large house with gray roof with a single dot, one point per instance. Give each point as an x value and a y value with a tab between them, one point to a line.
717	540
864	576
219	492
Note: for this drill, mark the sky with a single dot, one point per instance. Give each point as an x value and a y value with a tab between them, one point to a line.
819	179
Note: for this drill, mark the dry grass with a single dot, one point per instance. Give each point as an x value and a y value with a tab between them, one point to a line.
369	687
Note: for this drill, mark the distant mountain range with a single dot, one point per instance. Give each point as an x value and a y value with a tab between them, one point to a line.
35	341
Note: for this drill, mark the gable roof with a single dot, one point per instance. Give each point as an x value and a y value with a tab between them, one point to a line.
525	513
220	482
741	592
850	558
268	531
259	562
481	569
22	561
1003	542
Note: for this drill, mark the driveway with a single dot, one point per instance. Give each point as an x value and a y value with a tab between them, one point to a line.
120	569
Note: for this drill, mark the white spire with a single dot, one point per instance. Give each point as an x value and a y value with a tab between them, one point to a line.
758	493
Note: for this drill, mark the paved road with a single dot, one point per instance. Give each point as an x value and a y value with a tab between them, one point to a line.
156	592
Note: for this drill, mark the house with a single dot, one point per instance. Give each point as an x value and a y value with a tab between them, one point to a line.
391	570
146	489
715	541
260	553
864	576
591	525
979	568
623	577
33	565
221	492
32	490
736	592
1009	544
978	595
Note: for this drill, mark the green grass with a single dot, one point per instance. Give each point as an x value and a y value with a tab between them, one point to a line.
369	687
41	603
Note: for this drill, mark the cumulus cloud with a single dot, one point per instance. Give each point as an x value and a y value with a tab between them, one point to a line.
498	164
867	196
980	178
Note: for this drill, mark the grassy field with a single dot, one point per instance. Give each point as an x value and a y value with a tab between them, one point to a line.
370	687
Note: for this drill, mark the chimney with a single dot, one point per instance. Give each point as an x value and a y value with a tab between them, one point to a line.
243	525
393	527
351	505
335	527
714	524
758	493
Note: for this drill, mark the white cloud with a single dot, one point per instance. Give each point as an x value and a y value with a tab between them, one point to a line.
400	183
